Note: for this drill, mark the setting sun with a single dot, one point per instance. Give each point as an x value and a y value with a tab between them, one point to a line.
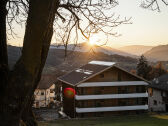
94	40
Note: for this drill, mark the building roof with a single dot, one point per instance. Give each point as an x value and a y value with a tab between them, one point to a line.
85	72
163	79
88	71
46	81
44	85
163	87
160	83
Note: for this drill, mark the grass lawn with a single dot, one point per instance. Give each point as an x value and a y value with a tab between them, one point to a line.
138	120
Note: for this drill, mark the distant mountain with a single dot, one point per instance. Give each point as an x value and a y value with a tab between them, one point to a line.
158	53
136	49
13	54
84	47
57	62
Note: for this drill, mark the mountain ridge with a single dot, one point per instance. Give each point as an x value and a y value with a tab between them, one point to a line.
158	53
85	47
57	62
136	49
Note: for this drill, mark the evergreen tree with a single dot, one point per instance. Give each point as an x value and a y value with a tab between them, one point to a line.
143	68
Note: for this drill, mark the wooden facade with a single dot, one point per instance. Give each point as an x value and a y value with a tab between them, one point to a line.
110	92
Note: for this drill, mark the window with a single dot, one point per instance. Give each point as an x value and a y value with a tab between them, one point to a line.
79	91
82	104
126	90
122	102
128	101
102	90
42	92
85	90
51	90
102	100
101	75
138	89
123	90
143	89
85	103
99	114
82	92
154	102
119	76
119	90
98	104
141	101
97	91
37	104
144	100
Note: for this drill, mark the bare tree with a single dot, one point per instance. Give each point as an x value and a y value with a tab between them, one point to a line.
77	18
18	84
153	4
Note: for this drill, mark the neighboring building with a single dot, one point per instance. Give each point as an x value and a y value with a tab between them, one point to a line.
44	95
102	88
158	94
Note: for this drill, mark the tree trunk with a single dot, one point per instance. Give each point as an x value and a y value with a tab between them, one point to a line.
28	116
27	72
3	47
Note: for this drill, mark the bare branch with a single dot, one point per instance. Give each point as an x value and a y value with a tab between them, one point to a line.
89	17
17	13
153	4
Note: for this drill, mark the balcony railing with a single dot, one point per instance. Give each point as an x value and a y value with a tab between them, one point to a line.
108	109
109	84
111	96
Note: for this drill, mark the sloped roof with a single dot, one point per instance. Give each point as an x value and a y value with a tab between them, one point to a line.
163	79
85	72
163	87
46	81
90	70
160	83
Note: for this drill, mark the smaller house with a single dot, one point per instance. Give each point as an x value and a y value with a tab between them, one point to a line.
158	94
45	93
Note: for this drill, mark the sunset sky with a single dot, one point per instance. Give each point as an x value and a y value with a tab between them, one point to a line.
148	28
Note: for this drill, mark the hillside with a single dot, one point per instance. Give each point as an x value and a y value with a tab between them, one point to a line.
136	49
158	53
57	62
85	47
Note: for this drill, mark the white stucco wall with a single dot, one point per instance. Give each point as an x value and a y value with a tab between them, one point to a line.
160	106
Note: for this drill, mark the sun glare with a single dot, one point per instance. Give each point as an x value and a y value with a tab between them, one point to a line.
93	40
